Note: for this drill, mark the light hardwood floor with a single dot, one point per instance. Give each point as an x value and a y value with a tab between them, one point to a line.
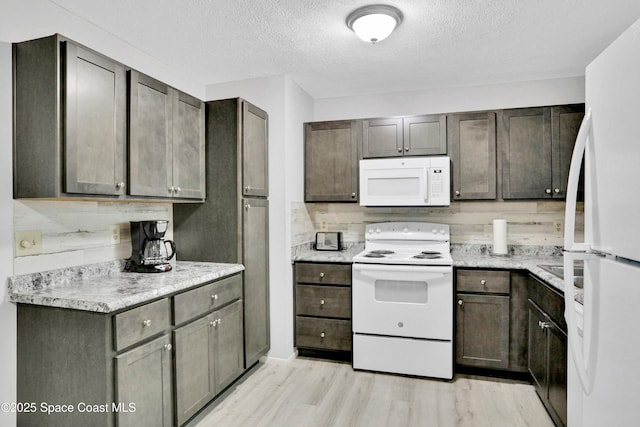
310	392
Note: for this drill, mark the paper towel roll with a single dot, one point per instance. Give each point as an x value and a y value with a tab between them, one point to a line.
499	236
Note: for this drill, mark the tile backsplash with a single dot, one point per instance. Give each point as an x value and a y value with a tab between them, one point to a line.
532	222
81	232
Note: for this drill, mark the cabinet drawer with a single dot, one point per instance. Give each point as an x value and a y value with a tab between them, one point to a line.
142	322
489	281
335	274
323	334
193	303
323	301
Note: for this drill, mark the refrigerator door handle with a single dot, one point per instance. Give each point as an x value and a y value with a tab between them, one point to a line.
585	359
572	187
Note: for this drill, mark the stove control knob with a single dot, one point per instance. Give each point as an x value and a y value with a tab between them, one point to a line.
405	230
442	231
371	231
434	231
378	230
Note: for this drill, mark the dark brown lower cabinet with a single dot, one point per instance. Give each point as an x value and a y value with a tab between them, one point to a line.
547	360
323	308
209	356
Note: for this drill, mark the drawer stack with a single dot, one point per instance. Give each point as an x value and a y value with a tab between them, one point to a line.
323	307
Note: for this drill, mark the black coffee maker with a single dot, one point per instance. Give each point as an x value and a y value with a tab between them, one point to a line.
150	252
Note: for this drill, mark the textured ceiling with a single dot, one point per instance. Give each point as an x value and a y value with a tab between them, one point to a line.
440	43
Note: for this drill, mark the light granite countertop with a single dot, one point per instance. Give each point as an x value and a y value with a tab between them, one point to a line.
106	288
473	256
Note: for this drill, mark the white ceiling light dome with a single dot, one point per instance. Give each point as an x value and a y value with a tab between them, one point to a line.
374	23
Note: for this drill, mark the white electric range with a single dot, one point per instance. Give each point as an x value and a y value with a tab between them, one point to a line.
402	298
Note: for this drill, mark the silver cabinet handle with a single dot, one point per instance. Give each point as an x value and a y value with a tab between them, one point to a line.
172	189
460	302
399	150
178	189
321	302
483	282
321	275
120	185
168	347
457	192
214	297
247	206
219	320
321	334
353	195
212	323
556	190
146	323
548	191
406	149
247	187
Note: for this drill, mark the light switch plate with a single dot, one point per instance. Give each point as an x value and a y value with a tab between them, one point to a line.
28	242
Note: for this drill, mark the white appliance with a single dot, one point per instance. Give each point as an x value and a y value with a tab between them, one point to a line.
402	299
405	181
603	366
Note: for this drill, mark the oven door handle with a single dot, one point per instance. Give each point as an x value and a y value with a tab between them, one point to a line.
404	268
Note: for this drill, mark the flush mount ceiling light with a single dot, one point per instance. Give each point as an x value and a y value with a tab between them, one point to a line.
375	22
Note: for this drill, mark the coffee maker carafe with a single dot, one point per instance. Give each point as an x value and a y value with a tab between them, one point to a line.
150	252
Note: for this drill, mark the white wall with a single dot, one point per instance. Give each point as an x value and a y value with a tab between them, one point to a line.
288	107
449	100
7	309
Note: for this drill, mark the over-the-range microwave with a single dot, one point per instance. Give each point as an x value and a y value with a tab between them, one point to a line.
405	181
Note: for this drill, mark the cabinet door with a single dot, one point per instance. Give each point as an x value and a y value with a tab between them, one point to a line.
482	337
95	120
565	123
143	378
525	138
194	367
538	350
254	151
188	146
557	365
228	349
150	150
255	257
382	138
331	162
425	135
472	147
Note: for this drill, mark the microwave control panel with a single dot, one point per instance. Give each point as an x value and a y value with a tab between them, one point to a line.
438	186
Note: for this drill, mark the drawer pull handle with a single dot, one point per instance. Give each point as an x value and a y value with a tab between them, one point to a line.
321	275
321	302
214	297
146	323
483	282
168	347
321	334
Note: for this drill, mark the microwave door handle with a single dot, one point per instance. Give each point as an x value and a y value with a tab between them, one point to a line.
425	182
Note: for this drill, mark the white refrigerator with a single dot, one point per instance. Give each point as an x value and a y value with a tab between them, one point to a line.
604	333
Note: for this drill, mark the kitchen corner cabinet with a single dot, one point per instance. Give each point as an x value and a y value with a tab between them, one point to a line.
490	319
232	225
323	308
70	121
331	161
472	147
548	348
536	148
166	140
404	136
155	370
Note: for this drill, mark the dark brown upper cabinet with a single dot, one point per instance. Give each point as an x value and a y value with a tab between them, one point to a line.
472	147
166	140
407	136
536	148
254	151
70	121
331	161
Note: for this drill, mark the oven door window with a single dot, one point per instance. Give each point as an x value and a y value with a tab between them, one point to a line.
410	292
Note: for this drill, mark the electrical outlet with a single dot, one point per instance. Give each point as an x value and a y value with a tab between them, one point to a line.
115	234
558	227
323	225
28	242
